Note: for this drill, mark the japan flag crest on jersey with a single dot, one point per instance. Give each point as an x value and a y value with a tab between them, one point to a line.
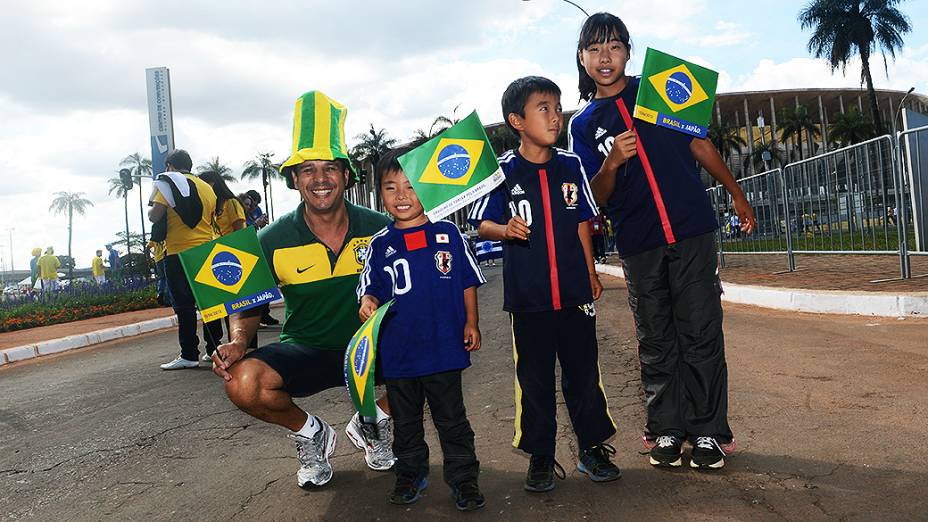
443	261
570	194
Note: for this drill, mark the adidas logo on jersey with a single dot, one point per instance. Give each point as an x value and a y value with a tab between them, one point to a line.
517	190
599	132
390	251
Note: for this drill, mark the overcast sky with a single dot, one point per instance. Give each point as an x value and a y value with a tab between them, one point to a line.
73	100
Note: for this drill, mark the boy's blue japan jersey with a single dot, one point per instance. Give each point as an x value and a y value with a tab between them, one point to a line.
659	198
426	268
548	272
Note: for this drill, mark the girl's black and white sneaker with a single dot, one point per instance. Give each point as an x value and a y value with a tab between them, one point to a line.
667	452
707	454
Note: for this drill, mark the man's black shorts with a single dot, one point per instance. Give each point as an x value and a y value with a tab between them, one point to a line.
306	371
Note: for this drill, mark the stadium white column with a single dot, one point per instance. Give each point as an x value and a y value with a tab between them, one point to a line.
750	126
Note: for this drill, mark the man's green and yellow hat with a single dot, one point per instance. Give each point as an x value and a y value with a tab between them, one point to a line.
318	133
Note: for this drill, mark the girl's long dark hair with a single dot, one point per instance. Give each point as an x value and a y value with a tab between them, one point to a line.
600	27
223	193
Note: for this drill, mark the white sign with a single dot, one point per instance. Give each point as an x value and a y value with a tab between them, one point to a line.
160	115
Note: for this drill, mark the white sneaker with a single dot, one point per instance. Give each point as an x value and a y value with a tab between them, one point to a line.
179	364
313	454
206	358
378	452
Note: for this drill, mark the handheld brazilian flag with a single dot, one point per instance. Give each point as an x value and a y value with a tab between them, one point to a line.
453	169
676	94
360	360
229	274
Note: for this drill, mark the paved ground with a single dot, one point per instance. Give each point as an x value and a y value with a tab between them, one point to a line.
829	413
830	272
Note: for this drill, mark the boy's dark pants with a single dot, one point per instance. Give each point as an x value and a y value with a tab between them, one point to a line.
446	403
675	295
539	339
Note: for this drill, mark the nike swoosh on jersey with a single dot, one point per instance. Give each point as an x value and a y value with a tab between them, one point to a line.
301	270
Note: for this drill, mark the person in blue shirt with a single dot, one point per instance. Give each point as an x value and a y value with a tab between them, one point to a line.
541	214
647	178
427	336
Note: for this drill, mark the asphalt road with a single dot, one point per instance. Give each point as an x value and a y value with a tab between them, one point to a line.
829	413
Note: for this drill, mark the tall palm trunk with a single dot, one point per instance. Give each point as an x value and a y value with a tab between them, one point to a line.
142	216
70	224
871	93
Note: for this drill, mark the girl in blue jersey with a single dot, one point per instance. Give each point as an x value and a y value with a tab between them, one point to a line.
427	336
647	178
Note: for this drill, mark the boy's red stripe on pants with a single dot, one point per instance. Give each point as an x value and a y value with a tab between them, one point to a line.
649	172
549	237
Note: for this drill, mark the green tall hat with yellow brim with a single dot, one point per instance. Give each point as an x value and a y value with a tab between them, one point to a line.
318	133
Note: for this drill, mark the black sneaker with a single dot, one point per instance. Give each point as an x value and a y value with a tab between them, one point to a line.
467	496
667	452
268	320
408	489
595	463
707	454
541	472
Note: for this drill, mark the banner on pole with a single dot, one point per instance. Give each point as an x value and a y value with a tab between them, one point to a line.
160	115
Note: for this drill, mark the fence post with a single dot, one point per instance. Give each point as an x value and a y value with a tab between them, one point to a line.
790	260
715	206
899	181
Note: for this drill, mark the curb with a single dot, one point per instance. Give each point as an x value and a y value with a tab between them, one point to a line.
72	342
879	304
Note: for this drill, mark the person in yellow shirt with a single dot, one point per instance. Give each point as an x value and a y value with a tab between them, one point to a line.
183	209
157	253
48	270
230	214
96	268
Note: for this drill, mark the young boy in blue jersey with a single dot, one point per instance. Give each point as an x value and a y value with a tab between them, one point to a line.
541	214
426	338
647	178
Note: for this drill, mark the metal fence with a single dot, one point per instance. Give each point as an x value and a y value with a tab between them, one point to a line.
913	172
854	200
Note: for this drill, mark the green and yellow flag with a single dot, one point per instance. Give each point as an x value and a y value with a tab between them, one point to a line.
676	94
453	169
229	275
360	359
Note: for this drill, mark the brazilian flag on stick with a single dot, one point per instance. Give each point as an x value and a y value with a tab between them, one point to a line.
676	94
453	169
229	275
360	358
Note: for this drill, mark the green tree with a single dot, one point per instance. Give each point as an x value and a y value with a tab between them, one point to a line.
217	166
139	167
725	138
793	123
372	145
850	128
756	158
69	202
843	28
120	190
263	168
502	139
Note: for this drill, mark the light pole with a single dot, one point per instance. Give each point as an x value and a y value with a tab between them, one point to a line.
575	5
765	154
899	108
12	266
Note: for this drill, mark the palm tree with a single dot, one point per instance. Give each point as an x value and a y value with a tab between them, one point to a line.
725	138
139	167
217	166
793	122
843	28
443	122
850	128
120	190
262	167
69	202
372	145
756	158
